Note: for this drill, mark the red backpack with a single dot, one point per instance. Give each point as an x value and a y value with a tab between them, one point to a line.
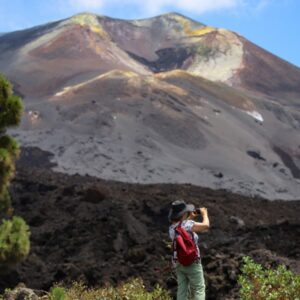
185	246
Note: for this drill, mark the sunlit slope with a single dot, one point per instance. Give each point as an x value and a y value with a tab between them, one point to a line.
165	99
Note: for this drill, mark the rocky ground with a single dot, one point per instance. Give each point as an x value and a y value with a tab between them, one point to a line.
84	228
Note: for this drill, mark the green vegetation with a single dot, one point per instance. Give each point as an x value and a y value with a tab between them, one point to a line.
14	242
14	232
258	283
57	293
133	290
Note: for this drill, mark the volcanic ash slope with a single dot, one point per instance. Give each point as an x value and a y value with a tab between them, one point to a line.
165	99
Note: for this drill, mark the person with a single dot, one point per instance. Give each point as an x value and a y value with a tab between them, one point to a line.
189	278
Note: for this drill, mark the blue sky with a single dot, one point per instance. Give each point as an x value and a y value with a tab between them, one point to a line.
271	24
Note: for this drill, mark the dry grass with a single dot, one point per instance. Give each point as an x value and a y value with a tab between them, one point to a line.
132	290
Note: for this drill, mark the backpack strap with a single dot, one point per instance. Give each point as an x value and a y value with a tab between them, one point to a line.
189	231
174	241
179	225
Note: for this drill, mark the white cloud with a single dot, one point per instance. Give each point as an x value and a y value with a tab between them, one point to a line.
86	4
151	7
156	6
196	6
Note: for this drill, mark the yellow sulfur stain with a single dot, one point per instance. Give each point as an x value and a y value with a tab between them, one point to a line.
108	75
202	31
174	73
90	21
120	73
130	74
187	27
100	31
165	86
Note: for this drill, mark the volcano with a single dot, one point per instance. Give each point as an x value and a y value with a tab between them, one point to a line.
159	100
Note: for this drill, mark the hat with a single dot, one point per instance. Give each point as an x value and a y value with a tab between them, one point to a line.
179	208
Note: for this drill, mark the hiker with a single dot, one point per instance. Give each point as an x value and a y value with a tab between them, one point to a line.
187	262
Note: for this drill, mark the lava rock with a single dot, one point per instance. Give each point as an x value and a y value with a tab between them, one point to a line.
238	221
21	292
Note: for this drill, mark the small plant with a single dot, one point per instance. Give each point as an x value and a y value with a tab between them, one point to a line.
14	242
258	283
57	293
132	290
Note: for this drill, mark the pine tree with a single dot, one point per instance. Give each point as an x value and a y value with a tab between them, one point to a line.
14	232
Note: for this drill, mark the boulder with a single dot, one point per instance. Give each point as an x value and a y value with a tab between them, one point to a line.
21	292
236	220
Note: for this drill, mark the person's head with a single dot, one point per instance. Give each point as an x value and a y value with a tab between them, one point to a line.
180	211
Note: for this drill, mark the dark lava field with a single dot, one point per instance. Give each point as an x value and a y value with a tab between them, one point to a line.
97	231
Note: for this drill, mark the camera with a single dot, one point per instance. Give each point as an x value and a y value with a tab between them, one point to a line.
197	211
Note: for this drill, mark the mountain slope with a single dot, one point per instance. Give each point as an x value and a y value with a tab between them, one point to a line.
165	99
47	57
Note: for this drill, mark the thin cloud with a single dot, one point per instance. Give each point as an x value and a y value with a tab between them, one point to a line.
255	7
157	6
261	5
195	6
86	4
153	7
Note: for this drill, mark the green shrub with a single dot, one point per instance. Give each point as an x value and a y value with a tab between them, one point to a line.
11	105
57	293
14	234
132	290
5	202
14	242
258	283
10	144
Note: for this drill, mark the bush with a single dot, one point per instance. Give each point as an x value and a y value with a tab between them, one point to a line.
132	290
258	283
11	105
57	293
14	242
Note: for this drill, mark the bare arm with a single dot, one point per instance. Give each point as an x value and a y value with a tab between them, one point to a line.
204	225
